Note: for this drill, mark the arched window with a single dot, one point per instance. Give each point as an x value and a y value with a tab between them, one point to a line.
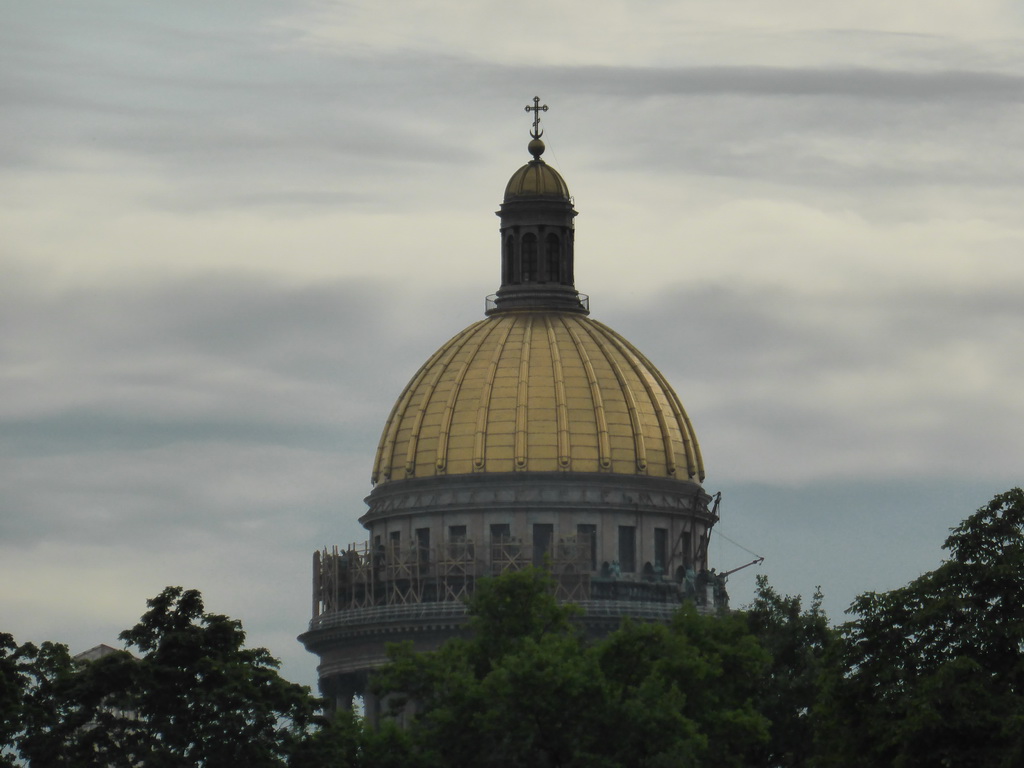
552	257
529	258
569	278
507	273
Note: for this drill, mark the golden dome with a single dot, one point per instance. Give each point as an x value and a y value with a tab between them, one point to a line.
536	178
538	392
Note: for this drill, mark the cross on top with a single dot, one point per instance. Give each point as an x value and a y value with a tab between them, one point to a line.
537	108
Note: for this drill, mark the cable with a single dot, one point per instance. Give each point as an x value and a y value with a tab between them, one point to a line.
748	551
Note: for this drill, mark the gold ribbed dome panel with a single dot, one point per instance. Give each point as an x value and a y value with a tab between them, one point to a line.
538	392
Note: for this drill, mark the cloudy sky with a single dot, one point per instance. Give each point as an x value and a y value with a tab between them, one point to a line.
232	231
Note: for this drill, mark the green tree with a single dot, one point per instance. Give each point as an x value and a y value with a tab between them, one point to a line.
525	688
195	696
211	700
510	694
15	665
932	674
799	643
343	739
683	694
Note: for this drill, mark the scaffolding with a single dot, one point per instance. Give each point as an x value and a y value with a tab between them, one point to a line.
364	576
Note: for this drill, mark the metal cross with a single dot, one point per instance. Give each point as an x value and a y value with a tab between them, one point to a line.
536	132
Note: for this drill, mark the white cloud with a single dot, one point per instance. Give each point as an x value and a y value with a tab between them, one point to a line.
653	32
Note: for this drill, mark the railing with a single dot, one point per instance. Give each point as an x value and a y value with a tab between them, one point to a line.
491	302
362	577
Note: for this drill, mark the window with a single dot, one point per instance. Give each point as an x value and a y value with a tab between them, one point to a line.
567	273
423	545
687	550
456	533
542	535
627	548
660	548
500	532
395	540
529	258
552	257
508	274
589	531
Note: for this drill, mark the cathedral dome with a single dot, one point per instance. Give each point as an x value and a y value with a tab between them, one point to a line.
537	436
538	392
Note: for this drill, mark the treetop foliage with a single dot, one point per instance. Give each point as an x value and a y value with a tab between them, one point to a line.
527	688
932	673
196	696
